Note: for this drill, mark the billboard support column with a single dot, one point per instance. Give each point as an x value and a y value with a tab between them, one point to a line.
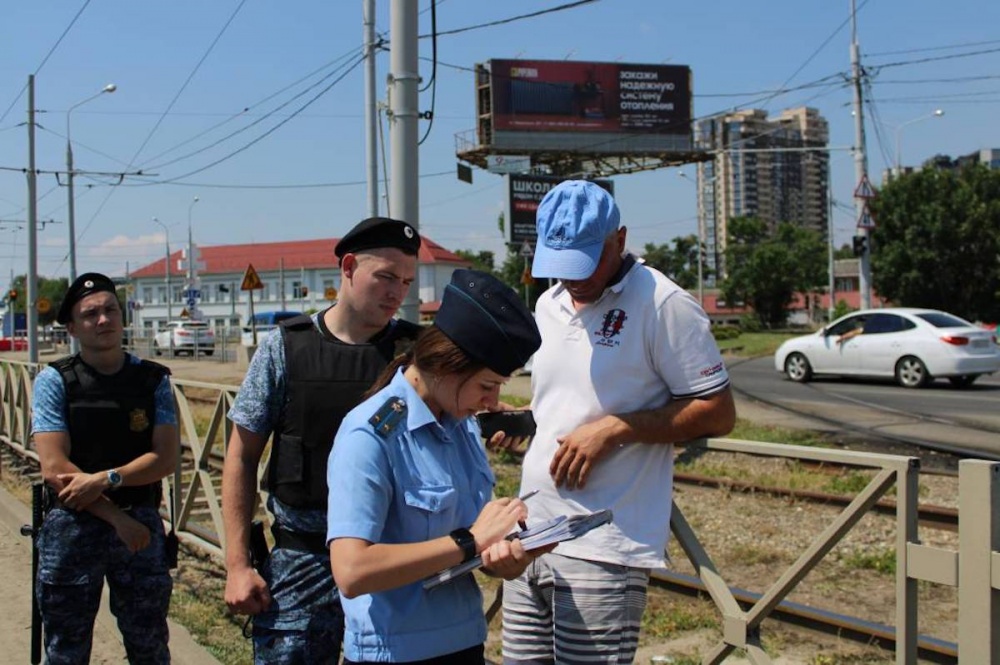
403	115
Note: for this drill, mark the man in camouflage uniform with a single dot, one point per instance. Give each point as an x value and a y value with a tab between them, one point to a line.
105	431
304	378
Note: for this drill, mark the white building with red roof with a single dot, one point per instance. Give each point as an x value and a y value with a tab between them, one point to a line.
298	275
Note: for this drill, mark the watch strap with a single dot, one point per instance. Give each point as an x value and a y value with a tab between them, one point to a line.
465	540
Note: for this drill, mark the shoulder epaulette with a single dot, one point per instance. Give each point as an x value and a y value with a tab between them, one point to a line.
388	416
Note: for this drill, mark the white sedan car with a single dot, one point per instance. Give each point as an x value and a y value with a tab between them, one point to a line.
914	346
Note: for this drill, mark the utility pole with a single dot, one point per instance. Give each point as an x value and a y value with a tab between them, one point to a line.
281	281
31	288
404	195
860	164
371	112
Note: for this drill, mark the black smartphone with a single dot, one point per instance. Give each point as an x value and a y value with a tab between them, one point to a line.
512	423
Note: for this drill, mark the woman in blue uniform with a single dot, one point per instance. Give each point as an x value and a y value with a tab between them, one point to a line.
410	485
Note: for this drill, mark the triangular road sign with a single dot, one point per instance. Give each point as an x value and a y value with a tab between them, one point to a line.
864	189
251	280
866	221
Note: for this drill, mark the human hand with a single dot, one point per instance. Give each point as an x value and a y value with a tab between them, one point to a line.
496	520
508	559
246	591
79	489
132	532
579	451
516	443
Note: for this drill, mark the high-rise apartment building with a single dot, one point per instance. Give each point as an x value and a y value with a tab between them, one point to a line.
762	168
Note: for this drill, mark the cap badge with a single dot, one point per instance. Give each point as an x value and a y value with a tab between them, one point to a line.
89	284
408	231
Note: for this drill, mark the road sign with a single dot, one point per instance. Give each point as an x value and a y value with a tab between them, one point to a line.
508	163
526	250
330	293
43	305
191	294
251	280
184	314
864	189
866	221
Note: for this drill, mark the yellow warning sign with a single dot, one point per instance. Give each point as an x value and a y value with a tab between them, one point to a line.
330	293
251	280
184	313
43	305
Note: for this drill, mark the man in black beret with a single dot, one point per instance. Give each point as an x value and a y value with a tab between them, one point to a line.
105	430
303	379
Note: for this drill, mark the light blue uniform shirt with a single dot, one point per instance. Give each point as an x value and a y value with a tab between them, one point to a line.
416	483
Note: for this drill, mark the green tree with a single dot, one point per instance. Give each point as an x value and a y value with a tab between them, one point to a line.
52	290
679	262
484	261
766	270
511	272
937	241
845	251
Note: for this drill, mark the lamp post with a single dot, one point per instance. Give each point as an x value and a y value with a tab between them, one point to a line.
70	216
190	266
899	132
166	266
701	238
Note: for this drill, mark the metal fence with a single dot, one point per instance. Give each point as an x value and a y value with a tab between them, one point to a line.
974	568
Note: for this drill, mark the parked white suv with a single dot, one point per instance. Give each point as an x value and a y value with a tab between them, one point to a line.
188	337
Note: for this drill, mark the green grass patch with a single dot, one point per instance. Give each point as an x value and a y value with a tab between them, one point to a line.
667	616
750	431
881	561
753	345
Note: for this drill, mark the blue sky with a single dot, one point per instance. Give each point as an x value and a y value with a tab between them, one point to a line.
151	51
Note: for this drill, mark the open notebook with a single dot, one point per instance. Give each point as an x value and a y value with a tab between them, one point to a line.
555	530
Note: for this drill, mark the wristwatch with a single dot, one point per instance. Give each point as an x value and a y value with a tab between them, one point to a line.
114	478
464	539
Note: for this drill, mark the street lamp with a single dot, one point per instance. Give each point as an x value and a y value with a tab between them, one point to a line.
71	220
166	266
899	131
191	246
701	238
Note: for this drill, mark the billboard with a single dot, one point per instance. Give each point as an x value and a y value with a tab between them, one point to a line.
524	193
598	97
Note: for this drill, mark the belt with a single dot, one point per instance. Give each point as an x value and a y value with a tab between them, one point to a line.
314	543
125	498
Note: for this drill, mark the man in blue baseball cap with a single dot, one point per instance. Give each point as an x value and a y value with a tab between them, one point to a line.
627	368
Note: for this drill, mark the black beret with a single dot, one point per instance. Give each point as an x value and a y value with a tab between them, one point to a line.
83	286
488	321
376	232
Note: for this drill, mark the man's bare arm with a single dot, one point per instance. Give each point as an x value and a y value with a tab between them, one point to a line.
676	422
245	592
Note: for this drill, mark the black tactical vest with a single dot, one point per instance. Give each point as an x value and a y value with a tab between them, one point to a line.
111	419
324	379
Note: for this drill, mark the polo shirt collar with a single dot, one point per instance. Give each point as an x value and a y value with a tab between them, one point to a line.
624	274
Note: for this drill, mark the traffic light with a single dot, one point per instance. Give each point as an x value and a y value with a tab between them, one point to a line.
860	245
12	295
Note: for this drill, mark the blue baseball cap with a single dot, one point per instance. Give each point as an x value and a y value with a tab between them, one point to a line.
573	220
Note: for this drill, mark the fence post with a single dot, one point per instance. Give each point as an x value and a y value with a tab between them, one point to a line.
907	492
978	531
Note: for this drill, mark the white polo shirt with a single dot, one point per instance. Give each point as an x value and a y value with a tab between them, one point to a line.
644	343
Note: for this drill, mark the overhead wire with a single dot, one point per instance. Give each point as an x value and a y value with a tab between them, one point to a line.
149	136
926	49
244	113
47	56
433	81
512	19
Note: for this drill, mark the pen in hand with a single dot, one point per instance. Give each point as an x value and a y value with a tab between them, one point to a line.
521	523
